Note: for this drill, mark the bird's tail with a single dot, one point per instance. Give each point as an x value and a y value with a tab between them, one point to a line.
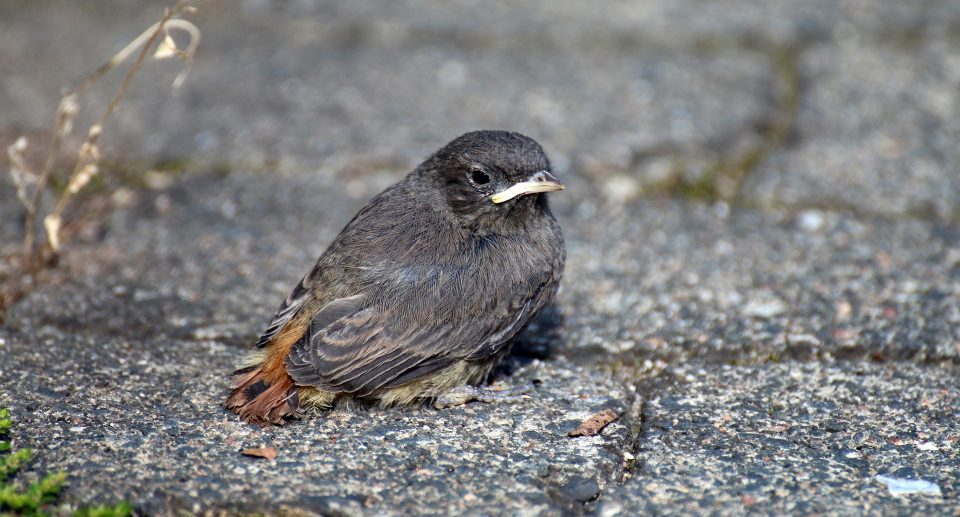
263	392
262	398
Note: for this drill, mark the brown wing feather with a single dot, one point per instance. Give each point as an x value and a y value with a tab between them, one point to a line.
370	349
288	309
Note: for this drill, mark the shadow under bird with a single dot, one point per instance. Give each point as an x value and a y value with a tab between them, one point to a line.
422	293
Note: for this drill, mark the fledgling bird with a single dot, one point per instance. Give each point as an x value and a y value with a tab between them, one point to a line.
422	293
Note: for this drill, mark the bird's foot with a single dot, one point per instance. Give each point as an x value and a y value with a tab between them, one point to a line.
463	394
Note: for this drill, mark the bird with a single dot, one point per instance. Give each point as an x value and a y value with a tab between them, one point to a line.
422	293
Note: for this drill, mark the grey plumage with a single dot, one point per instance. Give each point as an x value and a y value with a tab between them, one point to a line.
429	274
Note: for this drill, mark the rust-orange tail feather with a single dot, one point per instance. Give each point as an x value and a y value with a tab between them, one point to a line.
258	401
265	393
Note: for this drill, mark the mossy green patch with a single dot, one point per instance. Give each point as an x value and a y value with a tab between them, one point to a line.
722	179
39	496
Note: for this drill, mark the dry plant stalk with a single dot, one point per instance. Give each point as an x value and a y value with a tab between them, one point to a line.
30	186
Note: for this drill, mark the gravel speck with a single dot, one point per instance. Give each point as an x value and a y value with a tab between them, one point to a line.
581	489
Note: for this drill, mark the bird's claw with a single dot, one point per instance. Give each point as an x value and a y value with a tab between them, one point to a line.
463	394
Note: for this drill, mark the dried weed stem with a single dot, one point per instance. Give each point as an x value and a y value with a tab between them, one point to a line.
31	186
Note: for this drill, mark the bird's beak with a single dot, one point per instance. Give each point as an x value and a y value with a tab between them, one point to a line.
542	181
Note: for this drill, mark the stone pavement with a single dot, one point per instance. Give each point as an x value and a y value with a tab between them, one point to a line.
762	222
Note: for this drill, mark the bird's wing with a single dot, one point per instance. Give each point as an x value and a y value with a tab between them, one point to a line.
301	293
355	347
288	309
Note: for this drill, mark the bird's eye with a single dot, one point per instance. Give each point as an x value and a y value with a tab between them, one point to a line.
479	177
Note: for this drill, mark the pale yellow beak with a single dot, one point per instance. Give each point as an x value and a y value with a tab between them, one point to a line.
540	182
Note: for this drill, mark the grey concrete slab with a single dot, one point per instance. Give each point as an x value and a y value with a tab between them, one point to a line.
876	129
794	439
139	419
668	280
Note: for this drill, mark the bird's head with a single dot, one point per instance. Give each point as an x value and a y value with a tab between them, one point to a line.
491	178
